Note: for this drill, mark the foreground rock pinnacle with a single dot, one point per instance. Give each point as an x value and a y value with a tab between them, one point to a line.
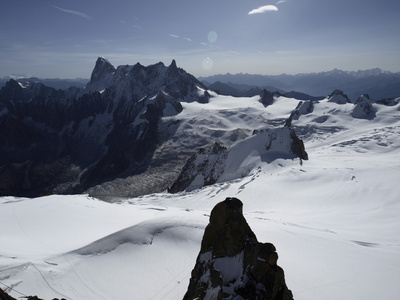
232	264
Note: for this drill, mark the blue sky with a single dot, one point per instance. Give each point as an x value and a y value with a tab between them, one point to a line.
60	38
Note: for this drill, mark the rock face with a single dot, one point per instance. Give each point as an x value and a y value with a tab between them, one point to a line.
5	296
202	168
267	97
363	108
232	264
338	97
303	108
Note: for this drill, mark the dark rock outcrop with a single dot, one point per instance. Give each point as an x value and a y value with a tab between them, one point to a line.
388	102
303	108
285	141
363	108
338	97
207	164
297	146
5	296
232	264
267	97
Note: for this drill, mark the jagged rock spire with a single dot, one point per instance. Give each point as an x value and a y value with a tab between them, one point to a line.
101	75
232	264
363	108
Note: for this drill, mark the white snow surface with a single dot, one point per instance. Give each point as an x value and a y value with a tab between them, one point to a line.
334	219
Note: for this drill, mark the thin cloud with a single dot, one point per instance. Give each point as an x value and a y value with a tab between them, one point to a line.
73	12
180	37
263	9
280	1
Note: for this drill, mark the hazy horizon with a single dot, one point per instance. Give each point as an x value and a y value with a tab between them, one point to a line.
57	39
22	75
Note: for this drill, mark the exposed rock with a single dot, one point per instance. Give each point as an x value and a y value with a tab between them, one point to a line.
363	108
205	98
303	108
388	102
267	98
285	140
201	169
297	146
338	97
232	264
5	296
101	76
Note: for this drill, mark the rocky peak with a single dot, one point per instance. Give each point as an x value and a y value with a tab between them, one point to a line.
102	66
173	66
338	97
232	264
172	72
363	108
101	75
15	91
303	108
267	97
285	142
11	91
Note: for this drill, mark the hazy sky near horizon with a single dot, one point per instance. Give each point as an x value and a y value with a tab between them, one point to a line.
60	38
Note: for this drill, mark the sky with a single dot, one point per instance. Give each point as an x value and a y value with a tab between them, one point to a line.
60	38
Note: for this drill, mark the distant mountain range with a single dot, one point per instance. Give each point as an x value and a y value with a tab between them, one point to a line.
375	82
56	83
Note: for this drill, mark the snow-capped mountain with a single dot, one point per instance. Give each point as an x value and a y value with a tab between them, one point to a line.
333	218
56	83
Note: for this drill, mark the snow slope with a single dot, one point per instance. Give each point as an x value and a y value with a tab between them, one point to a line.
334	219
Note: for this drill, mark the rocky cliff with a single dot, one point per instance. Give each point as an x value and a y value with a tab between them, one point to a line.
232	264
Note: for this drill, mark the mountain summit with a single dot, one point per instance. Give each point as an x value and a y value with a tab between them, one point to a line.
101	75
232	264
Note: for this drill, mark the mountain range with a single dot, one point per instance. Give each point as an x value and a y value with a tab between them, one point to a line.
56	83
65	141
375	82
127	133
